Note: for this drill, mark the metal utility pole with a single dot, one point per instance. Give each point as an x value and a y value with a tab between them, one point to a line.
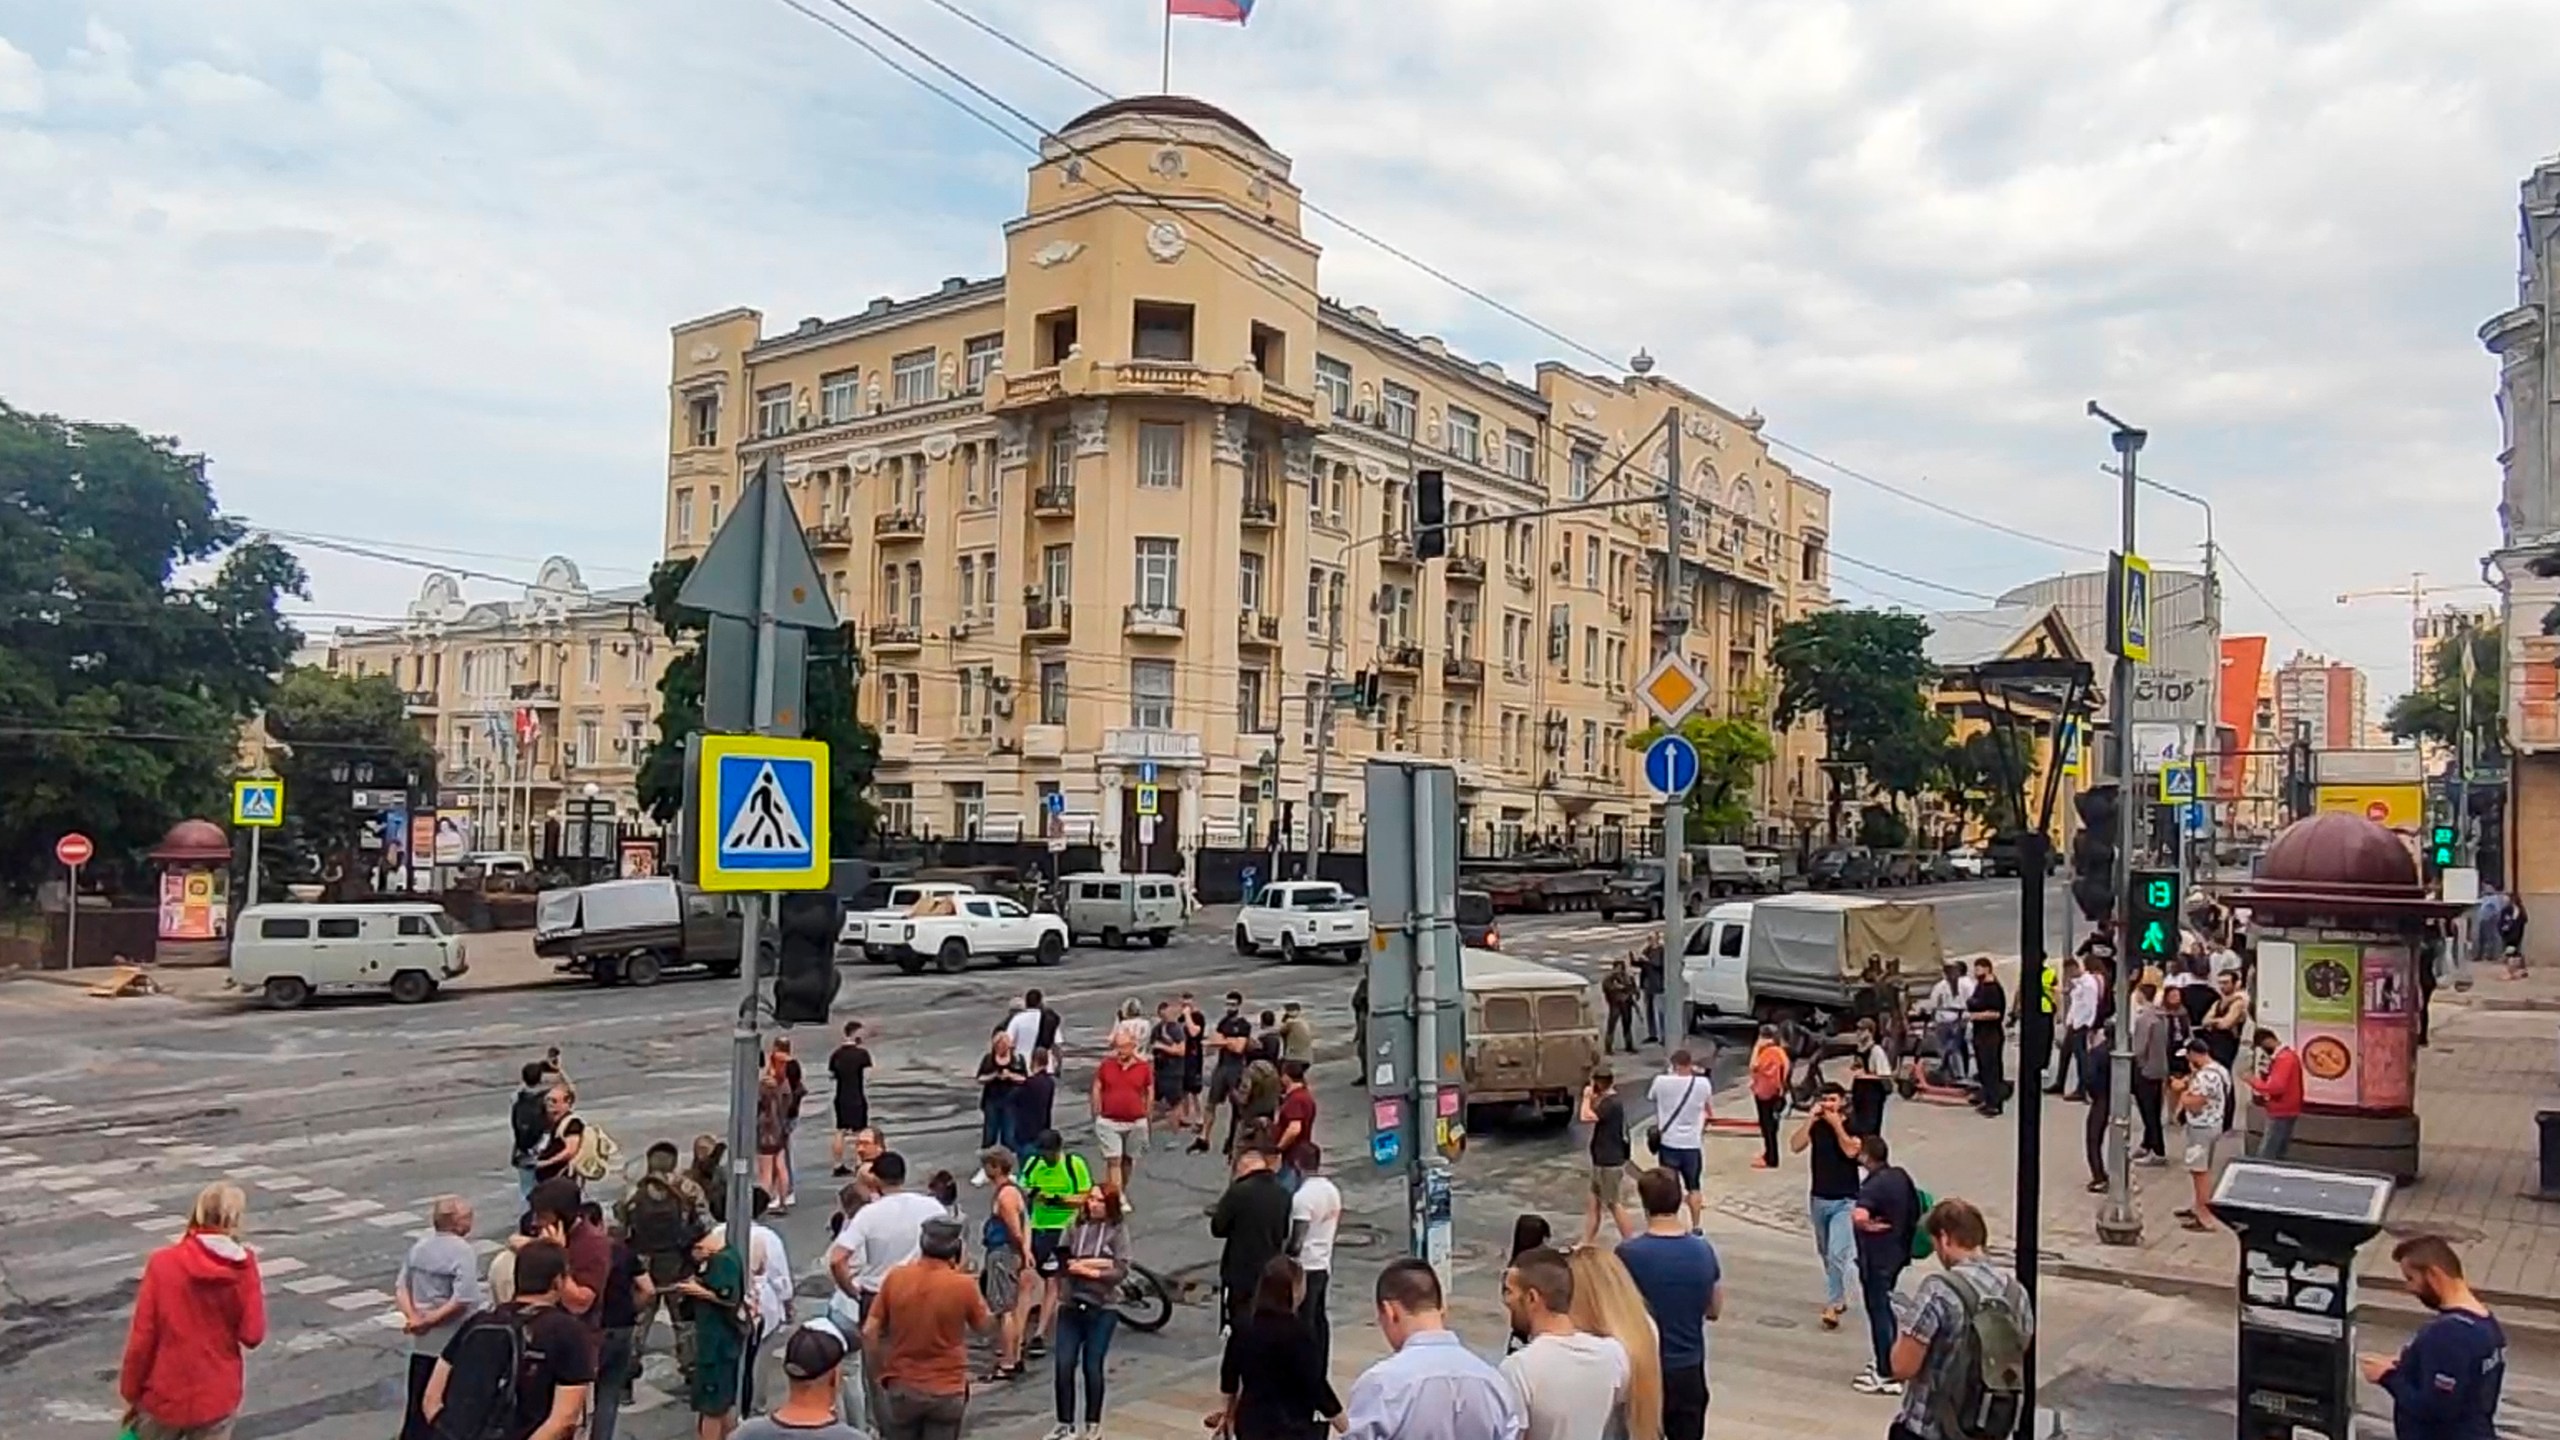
2119	1223
746	1042
1413	964
1675	808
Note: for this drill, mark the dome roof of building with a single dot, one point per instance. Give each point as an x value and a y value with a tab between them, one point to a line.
193	840
2336	849
1173	107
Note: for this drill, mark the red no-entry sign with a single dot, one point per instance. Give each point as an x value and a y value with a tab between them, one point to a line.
74	849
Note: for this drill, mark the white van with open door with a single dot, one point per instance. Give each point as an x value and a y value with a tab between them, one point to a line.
287	953
1715	965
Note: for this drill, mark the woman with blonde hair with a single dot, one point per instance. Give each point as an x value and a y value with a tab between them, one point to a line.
201	1304
1606	1302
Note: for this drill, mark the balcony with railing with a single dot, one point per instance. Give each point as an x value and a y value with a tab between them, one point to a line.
1257	632
534	693
898	525
891	637
1047	619
1397	547
1155	622
1402	656
1053	502
1465	670
1261	510
831	535
419	702
1466	569
1160	377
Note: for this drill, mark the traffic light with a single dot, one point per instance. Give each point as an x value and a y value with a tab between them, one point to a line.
1430	514
804	967
2093	853
2152	918
2440	849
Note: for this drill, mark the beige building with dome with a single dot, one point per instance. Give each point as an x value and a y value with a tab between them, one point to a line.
1119	512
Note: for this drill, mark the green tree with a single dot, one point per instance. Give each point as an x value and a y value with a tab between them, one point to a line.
139	627
2433	711
335	734
835	667
1980	775
1731	750
1866	673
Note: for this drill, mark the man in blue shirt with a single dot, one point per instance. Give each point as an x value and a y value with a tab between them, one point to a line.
2445	1383
1683	1287
1433	1387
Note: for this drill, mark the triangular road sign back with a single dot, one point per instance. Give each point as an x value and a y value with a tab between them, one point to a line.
723	581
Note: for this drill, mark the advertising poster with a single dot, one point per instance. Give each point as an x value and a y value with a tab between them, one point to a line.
193	905
2387	1034
2326	1002
639	859
452	843
422	842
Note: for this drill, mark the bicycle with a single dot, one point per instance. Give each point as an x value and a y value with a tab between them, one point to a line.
1143	1300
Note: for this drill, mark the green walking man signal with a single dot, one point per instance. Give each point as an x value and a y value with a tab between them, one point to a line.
2440	843
2152	918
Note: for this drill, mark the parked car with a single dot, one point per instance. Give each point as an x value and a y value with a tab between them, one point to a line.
1304	917
1636	891
287	953
1116	909
1843	867
1938	867
631	932
948	931
1968	862
2003	853
1475	921
1897	868
1768	870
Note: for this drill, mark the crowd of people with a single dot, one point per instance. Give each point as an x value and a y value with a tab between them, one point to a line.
1609	1334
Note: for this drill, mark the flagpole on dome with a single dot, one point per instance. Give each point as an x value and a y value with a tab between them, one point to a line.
1167	86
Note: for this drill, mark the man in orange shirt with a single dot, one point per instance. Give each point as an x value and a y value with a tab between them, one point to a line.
916	1339
1768	1092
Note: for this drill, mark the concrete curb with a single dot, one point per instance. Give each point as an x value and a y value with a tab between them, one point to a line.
82	979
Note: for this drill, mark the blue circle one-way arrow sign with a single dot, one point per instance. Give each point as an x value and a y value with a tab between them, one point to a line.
1671	765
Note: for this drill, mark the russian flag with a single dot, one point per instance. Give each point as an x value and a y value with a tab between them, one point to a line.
1238	11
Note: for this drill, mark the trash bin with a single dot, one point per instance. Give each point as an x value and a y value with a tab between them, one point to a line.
2298	1231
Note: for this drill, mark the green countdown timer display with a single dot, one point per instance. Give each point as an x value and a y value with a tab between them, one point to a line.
2154	914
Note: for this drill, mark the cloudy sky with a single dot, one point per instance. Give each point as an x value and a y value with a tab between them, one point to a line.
405	268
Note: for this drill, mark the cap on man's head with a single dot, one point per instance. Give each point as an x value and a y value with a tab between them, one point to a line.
939	1239
2196	1046
816	1349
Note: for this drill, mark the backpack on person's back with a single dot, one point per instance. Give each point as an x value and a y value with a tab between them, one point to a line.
526	1119
489	1358
658	1221
1977	1387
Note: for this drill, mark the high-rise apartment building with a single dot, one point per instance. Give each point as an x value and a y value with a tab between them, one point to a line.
1120	515
2327	696
2528	531
528	700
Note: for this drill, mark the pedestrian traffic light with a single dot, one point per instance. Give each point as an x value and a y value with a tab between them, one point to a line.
2440	848
2093	853
2152	919
1430	514
804	968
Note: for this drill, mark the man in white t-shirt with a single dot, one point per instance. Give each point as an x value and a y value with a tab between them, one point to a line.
1024	1024
1948	1001
768	1288
1571	1383
1680	1126
886	1232
1315	1216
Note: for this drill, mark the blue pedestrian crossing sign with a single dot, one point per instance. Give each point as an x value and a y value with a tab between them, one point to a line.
1149	805
2180	783
257	804
1671	765
764	813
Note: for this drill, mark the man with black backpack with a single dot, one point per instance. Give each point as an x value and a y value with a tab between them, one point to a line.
1963	1353
520	1371
661	1218
529	1123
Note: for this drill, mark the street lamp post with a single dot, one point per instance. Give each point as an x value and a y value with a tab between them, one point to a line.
587	831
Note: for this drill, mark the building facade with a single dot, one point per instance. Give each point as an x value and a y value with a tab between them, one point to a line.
529	701
2249	777
2324	700
1124	516
2528	527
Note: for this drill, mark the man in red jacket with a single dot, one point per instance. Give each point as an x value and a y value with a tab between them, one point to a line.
2279	1092
200	1306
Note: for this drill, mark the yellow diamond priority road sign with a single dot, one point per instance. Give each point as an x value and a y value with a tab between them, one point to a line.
1671	690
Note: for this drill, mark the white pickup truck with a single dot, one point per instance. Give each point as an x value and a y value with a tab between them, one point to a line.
877	931
1303	917
948	931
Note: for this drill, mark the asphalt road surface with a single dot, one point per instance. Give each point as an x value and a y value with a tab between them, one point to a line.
346	1120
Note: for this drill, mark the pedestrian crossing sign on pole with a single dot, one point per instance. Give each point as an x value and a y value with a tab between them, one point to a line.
1148	803
764	813
2180	784
257	804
